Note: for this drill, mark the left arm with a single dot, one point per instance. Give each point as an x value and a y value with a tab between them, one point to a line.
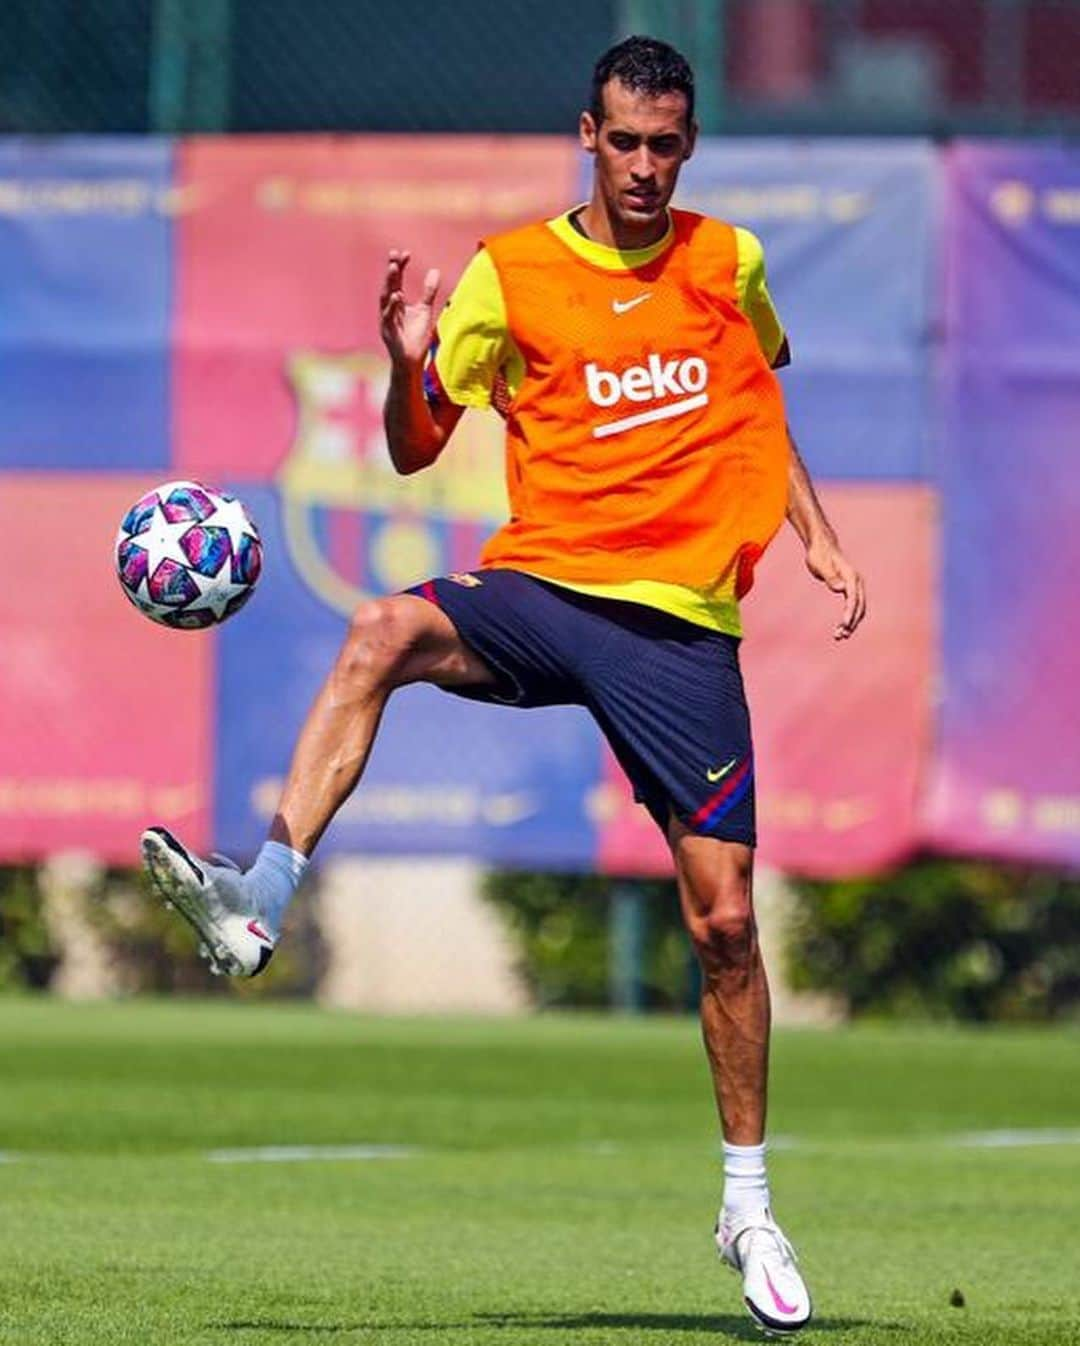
824	559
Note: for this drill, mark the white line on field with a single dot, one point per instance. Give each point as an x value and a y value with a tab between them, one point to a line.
1017	1138
1010	1140
301	1154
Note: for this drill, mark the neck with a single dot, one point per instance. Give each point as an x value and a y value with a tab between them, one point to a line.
597	222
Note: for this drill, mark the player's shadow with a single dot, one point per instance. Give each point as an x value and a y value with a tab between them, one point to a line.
726	1324
736	1326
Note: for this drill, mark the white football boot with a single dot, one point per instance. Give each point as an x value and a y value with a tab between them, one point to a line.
214	901
774	1291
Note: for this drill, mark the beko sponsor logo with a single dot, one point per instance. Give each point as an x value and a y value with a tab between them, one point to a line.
656	381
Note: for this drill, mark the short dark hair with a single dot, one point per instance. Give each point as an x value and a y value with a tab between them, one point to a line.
646	65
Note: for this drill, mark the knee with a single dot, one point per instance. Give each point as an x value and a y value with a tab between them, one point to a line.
380	639
724	932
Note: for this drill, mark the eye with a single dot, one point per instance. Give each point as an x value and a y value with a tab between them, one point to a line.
622	142
665	145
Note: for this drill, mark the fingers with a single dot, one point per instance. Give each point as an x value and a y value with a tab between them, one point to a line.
829	565
851	598
392	302
396	263
392	295
854	606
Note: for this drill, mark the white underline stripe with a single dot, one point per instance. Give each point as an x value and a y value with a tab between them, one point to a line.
286	1154
663	413
1018	1138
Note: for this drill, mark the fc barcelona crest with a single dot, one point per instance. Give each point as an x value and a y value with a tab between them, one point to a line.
352	525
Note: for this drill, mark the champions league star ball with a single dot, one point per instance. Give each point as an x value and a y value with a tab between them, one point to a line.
188	556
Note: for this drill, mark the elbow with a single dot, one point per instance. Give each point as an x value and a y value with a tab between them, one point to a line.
408	469
413	459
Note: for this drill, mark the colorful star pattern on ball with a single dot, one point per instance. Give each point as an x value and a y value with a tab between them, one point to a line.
188	556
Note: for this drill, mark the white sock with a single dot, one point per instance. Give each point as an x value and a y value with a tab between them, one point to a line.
273	879
746	1185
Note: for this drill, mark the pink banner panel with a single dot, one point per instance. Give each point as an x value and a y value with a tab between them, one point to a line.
282	245
104	717
841	729
628	841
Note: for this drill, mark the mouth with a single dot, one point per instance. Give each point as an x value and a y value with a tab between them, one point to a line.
643	198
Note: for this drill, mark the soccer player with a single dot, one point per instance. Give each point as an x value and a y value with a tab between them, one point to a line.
630	348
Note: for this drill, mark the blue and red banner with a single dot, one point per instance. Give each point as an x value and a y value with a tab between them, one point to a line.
207	308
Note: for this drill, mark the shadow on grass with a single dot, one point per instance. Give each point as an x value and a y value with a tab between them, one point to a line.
738	1328
281	1325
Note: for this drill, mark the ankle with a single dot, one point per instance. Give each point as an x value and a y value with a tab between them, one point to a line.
273	880
746	1183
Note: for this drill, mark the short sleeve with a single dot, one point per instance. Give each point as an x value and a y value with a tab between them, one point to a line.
755	300
471	341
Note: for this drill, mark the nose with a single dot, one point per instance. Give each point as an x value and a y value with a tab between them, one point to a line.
641	166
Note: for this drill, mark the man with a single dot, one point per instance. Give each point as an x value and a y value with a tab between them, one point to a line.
629	348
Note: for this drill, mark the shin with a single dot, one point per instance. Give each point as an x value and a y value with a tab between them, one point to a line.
715	887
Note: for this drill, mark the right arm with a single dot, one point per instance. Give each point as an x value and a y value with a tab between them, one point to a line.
415	433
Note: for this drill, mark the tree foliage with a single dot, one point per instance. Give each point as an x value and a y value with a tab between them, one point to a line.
943	939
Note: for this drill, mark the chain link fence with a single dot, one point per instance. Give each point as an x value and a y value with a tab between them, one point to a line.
851	66
74	65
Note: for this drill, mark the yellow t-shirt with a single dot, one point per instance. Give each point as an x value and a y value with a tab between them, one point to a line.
474	362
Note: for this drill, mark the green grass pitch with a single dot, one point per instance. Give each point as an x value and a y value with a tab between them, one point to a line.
560	1187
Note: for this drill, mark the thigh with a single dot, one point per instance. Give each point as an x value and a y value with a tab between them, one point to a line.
437	653
670	698
523	633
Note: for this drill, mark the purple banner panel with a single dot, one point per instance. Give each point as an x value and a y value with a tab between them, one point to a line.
85	283
1008	778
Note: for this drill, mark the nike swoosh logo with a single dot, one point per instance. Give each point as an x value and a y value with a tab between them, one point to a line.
626	305
259	933
784	1308
713	776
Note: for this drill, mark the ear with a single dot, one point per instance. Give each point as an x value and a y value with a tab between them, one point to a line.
588	131
691	141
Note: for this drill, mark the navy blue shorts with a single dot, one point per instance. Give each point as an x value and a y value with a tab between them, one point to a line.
667	694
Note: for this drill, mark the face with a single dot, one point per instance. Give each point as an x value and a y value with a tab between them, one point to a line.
639	147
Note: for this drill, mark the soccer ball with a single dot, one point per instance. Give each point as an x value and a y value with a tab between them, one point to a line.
188	556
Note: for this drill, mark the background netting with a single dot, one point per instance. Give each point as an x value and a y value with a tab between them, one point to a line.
851	66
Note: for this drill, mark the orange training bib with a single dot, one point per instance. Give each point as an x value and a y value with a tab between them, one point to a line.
647	439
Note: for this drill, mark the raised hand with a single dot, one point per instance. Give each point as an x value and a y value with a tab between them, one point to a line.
406	328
